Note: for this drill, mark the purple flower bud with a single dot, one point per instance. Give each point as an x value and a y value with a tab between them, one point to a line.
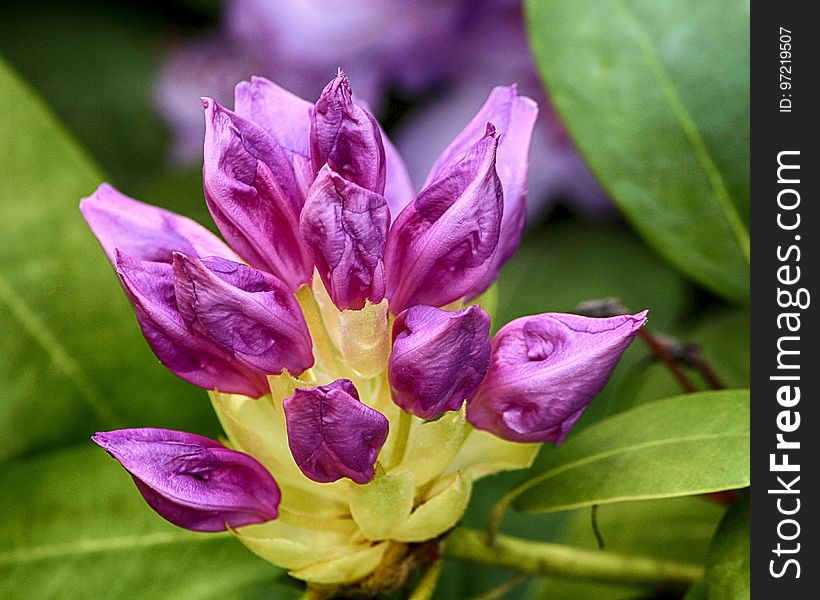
514	117
192	481
332	434
284	115
545	370
145	232
443	242
150	286
439	358
345	227
251	315
398	189
346	137
253	195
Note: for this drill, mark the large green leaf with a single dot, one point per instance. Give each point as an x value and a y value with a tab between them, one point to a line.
75	527
679	446
72	356
656	96
728	569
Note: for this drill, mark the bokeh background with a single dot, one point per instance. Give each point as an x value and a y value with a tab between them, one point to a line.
96	91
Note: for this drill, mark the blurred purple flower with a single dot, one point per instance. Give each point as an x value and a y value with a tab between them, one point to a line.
192	481
460	48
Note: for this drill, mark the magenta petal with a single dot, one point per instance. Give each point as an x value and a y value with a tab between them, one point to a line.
249	314
332	434
253	195
439	358
545	370
282	114
443	242
514	117
192	481
346	137
398	187
145	232
345	227
150	287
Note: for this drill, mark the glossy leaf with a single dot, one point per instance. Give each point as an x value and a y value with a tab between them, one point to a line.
656	96
73	360
74	527
679	446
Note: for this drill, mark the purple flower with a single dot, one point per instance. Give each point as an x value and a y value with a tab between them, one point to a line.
345	227
192	481
212	321
346	137
146	232
252	316
514	117
254	195
196	359
439	358
545	370
442	244
332	434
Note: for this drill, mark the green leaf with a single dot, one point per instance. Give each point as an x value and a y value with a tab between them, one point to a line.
73	357
656	96
679	446
670	529
565	264
723	338
728	568
75	527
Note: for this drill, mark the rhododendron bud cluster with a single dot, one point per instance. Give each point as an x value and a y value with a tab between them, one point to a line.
341	331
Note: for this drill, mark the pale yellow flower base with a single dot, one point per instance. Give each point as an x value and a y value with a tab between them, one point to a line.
339	533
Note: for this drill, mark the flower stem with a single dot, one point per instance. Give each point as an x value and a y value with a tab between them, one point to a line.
427	584
540	558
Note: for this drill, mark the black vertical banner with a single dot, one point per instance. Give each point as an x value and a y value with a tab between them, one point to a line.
785	64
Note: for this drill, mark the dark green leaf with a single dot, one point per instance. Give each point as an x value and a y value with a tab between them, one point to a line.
74	527
656	96
728	569
73	359
679	446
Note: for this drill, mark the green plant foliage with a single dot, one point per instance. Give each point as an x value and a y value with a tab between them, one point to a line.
723	338
564	264
74	527
728	568
656	96
670	529
73	360
679	446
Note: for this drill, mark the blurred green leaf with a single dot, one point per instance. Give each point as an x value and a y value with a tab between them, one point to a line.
669	529
723	337
75	527
564	264
728	568
656	96
72	358
679	446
